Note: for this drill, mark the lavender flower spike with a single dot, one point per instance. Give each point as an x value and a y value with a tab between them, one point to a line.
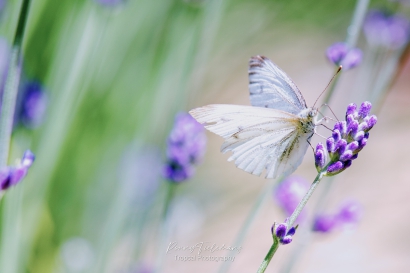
341	54
12	175
186	147
282	234
348	139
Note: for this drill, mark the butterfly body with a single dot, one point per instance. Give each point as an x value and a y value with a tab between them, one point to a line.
272	134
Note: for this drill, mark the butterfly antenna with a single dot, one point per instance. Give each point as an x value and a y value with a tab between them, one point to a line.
331	110
337	72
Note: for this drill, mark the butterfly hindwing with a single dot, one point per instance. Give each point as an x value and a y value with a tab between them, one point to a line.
270	87
259	138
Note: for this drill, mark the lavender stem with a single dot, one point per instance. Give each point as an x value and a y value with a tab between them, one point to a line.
302	203
11	87
269	256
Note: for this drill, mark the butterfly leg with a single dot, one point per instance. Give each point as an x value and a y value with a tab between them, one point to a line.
325	104
313	149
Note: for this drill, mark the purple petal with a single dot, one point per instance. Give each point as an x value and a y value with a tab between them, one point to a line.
324	223
347	155
5	178
286	240
28	158
291	231
336	52
330	144
372	121
352	146
281	230
351	109
340	146
335	167
352	59
336	135
364	109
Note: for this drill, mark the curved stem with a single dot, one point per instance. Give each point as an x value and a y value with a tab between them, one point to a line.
269	256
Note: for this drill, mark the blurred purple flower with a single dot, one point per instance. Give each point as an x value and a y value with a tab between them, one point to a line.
12	175
349	214
340	54
348	139
390	31
324	223
186	147
33	104
289	193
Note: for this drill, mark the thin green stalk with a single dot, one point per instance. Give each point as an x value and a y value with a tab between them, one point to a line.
302	203
292	219
12	84
165	227
269	256
256	208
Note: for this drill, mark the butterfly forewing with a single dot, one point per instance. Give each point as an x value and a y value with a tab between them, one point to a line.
258	137
270	87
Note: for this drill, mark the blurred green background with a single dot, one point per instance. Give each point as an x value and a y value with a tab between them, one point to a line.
116	77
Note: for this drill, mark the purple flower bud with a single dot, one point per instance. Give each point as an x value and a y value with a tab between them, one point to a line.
324	223
363	126
286	240
362	143
5	178
349	119
352	59
347	164
351	109
340	146
337	52
354	156
372	121
347	155
330	144
186	147
10	176
336	135
353	127
359	136
291	231
341	126
281	230
335	167
28	159
352	146
33	104
364	109
320	160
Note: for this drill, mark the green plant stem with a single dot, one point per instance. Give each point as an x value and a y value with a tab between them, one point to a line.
302	203
292	219
165	227
12	84
269	256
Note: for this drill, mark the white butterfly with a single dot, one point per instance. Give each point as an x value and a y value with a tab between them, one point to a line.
272	134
